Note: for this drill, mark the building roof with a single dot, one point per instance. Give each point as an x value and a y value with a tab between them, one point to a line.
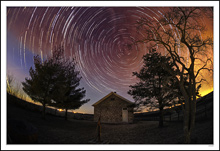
112	93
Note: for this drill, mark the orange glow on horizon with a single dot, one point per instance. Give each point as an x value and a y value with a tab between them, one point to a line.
205	92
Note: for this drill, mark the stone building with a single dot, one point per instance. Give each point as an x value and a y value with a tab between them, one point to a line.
113	108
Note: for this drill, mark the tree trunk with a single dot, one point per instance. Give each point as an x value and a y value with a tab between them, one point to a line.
44	109
189	110
161	118
192	105
187	115
66	114
189	120
187	137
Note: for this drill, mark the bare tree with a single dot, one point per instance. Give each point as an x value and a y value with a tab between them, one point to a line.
181	31
16	88
9	80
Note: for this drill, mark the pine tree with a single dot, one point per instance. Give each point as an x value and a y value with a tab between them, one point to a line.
41	82
67	95
54	82
154	88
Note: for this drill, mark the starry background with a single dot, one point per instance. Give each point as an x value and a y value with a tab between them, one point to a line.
99	38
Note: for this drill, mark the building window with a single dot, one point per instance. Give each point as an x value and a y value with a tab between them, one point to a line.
112	99
125	108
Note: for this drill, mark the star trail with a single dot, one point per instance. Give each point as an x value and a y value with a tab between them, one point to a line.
99	38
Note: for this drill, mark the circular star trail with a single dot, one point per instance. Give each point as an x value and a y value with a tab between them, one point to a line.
99	38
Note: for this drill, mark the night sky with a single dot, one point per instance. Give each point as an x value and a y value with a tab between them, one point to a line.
98	38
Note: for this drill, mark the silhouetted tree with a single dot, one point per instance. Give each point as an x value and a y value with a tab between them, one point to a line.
54	82
67	95
154	89
180	31
40	85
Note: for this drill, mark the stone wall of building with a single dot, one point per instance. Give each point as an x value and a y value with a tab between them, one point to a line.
110	110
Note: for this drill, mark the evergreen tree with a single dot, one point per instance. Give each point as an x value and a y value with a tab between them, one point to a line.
154	88
41	83
67	95
54	82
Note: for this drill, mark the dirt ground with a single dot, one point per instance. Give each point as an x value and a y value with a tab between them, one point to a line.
55	130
